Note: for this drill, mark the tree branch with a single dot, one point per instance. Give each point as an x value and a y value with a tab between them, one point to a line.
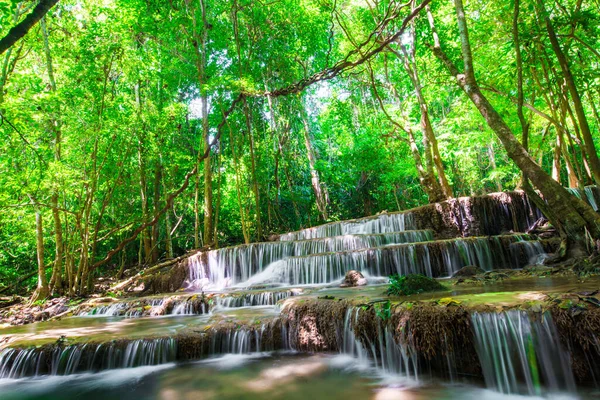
21	29
345	64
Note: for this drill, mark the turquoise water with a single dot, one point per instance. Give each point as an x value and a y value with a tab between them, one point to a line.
248	377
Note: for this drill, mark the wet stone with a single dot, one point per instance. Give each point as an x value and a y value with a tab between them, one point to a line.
468	271
354	278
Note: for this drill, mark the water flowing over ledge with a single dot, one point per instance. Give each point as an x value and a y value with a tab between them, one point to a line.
515	351
434	259
491	214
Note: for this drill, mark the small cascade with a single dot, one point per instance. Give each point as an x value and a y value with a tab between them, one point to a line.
434	259
383	223
224	267
114	309
154	307
492	214
124	309
530	252
520	352
18	363
383	352
264	337
253	299
188	308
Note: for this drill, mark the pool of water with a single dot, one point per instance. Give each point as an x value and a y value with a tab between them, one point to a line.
252	377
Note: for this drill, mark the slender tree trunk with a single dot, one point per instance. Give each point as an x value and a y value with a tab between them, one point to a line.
147	237
574	215
56	280
238	186
197	237
427	179
520	96
42	291
155	227
575	97
168	240
218	201
321	195
432	155
556	159
208	190
255	189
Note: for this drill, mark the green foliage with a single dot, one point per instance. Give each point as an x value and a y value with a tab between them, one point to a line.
124	125
383	310
407	285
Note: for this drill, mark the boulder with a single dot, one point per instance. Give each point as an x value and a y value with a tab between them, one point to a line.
467	271
354	278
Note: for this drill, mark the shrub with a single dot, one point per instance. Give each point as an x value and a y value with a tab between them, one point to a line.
412	284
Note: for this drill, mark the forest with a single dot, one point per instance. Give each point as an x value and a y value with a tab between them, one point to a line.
133	131
153	146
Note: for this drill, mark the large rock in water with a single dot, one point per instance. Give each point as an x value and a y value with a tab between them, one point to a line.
354	278
468	271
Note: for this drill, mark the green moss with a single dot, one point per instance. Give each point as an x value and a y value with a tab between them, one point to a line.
412	284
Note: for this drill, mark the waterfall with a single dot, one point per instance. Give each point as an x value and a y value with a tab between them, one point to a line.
268	336
131	309
383	223
224	267
518	352
382	352
155	307
434	259
18	363
253	299
187	308
114	309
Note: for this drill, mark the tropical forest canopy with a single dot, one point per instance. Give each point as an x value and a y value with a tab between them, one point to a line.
133	131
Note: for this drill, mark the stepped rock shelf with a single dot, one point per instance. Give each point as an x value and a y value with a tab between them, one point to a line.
529	335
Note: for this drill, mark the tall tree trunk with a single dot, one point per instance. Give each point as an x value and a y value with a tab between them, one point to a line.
156	201
432	155
168	240
42	291
208	190
218	201
197	237
575	97
556	159
56	280
520	96
574	215
200	41
427	179
321	195
255	189
238	186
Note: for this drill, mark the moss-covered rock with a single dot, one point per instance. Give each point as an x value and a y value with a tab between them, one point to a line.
412	284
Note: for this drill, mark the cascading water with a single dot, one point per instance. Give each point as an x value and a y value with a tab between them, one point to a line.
396	222
156	307
253	299
114	309
188	308
519	352
18	363
382	352
435	259
224	267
